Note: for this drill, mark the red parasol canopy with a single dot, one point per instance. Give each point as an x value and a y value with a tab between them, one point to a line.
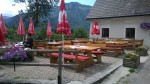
2	39
63	24
2	25
49	31
21	30
95	28
31	27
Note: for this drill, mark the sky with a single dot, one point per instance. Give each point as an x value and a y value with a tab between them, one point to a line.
7	8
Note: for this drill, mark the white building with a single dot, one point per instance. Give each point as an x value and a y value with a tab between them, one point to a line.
122	19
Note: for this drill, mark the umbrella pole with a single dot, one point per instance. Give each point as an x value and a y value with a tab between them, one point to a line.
61	61
62	42
63	48
23	38
49	38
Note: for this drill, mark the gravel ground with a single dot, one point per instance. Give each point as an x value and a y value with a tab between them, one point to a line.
50	73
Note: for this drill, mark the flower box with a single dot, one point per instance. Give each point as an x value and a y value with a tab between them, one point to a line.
131	60
145	25
141	51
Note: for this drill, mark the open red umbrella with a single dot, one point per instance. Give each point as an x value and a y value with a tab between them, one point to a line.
21	30
2	25
95	28
2	39
31	27
63	24
49	30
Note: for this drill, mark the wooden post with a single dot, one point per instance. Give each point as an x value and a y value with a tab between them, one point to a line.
60	67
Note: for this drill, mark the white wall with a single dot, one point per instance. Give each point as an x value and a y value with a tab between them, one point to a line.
117	28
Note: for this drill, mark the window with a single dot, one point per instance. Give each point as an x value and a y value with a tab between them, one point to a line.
130	32
105	32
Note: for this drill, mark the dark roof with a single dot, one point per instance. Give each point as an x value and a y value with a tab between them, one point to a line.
119	8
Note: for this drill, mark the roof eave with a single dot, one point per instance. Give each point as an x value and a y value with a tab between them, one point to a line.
117	17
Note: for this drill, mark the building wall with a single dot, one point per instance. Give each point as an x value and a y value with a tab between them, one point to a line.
117	28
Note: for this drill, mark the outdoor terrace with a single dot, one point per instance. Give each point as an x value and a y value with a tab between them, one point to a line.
51	73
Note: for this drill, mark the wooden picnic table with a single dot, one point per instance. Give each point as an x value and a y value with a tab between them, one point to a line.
54	43
86	49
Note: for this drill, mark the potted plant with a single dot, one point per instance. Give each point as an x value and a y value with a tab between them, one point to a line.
131	60
141	51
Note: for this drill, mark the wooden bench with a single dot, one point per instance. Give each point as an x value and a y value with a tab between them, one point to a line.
138	43
81	61
40	45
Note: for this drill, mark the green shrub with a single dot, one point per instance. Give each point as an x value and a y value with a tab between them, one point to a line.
132	56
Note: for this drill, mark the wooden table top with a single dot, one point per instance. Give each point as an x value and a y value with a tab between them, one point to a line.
79	47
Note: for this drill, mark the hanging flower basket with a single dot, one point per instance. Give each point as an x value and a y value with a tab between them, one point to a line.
131	60
145	25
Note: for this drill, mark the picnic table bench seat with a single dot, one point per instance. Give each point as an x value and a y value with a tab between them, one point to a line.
113	51
81	61
98	54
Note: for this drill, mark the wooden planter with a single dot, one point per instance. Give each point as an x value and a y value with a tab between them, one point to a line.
127	62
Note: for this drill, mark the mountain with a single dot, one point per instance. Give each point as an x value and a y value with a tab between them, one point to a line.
76	13
6	17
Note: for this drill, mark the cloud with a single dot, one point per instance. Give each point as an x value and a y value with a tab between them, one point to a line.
7	8
86	2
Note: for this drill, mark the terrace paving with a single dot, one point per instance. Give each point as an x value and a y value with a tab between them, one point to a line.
141	76
48	75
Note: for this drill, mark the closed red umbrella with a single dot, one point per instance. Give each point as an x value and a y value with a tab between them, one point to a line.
95	28
49	30
63	27
2	39
31	27
68	31
63	24
21	30
2	25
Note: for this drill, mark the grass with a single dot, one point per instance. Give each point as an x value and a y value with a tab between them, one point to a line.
132	70
50	79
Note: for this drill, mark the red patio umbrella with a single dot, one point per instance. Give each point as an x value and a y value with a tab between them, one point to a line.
49	31
2	39
68	31
21	30
95	28
63	24
63	27
2	25
31	27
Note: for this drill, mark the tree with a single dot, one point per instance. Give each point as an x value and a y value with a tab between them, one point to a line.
37	9
12	35
80	33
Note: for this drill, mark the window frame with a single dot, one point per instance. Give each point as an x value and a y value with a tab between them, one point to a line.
105	35
130	33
